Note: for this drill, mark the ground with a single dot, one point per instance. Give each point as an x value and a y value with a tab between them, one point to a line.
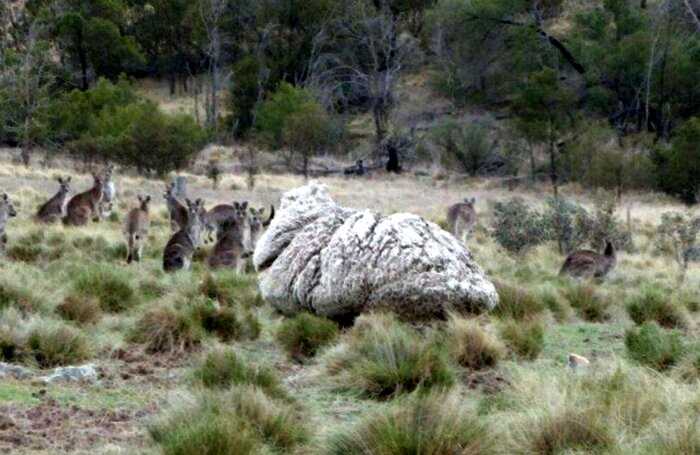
136	386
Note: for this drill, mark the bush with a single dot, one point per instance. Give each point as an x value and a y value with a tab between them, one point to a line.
242	420
582	430
689	368
517	227
650	345
471	346
563	219
516	302
589	304
56	344
382	358
679	166
305	334
651	304
11	345
231	289
463	146
164	329
84	310
226	322
110	286
524	338
223	368
12	295
432	424
275	111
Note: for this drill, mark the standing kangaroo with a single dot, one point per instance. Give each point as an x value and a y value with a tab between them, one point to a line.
136	229
177	211
589	264
257	223
85	205
232	244
182	245
54	209
221	214
7	211
109	192
461	218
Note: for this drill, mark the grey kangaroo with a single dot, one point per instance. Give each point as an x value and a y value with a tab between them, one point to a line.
182	245
461	218
589	264
7	211
85	205
55	208
176	209
136	229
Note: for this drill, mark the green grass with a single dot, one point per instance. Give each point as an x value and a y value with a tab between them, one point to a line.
524	338
588	302
111	286
54	344
517	302
652	346
305	334
654	304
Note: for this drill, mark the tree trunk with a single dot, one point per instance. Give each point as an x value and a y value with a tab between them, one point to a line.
82	56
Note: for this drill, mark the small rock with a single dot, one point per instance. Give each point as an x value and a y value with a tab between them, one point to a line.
577	361
81	373
6	422
14	371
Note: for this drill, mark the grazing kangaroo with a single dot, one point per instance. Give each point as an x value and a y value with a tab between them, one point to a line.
256	222
54	209
109	192
136	229
7	211
85	205
461	218
216	217
182	245
232	245
587	264
177	211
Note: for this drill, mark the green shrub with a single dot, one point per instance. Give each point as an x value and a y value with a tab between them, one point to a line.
305	334
679	165
524	338
431	424
275	111
650	345
109	285
242	420
231	289
590	305
471	346
163	329
516	302
223	368
382	358
653	304
465	147
226	322
582	430
84	310
56	344
517	227
13	295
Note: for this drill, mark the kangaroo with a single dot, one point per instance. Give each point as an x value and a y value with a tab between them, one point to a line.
54	209
232	245
136	229
109	192
587	264
461	218
85	205
177	211
7	211
182	245
220	214
257	224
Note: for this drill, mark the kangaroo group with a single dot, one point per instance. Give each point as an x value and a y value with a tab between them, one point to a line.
234	228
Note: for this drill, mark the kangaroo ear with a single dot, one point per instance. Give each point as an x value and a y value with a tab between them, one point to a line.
4	197
60	180
473	200
188	202
68	179
148	198
244	205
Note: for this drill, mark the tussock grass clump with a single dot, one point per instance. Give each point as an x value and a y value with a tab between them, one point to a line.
381	358
80	309
682	437
242	420
472	346
582	430
689	368
589	304
305	334
652	305
556	304
164	329
516	302
19	297
231	289
109	285
226	322
11	345
54	344
223	368
650	345
524	338
430	424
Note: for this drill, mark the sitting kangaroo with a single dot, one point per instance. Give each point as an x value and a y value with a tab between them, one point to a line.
589	264
136	229
54	209
177	211
85	205
215	218
461	218
232	245
7	211
182	245
109	192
